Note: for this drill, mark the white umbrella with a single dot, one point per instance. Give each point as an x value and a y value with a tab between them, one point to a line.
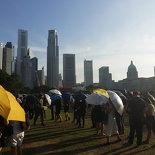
116	101
48	98
96	99
55	91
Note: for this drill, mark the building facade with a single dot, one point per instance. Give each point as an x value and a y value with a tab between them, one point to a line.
41	76
34	62
88	72
21	50
105	78
8	64
69	77
133	82
52	59
1	55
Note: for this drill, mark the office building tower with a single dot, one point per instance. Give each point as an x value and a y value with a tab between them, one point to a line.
41	76
1	55
52	59
60	81
21	49
69	77
26	72
105	78
34	62
88	72
8	64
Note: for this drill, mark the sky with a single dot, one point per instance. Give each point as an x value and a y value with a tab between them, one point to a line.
108	32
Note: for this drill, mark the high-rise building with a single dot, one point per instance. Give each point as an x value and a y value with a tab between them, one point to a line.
41	76
27	72
22	49
52	59
34	62
105	78
8	58
69	77
88	72
1	55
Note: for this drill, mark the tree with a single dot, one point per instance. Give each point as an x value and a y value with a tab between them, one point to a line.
10	82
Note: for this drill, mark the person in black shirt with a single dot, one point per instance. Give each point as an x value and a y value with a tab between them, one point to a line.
2	125
136	108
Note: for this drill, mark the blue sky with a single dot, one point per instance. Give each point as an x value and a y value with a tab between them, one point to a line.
109	32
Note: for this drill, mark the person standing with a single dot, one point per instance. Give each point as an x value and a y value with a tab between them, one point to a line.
58	107
39	110
81	113
16	139
2	126
66	103
150	117
136	108
111	128
99	115
93	116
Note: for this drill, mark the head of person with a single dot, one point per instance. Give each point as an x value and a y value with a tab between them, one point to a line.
136	93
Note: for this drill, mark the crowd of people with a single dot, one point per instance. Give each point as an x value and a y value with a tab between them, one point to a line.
105	118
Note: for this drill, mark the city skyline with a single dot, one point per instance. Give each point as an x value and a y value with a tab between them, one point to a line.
111	33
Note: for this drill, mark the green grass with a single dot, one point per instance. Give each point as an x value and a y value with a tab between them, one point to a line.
66	138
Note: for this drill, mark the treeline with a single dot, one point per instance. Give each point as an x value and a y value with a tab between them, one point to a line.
12	83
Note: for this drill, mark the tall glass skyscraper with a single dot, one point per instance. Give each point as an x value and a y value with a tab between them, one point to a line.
88	72
69	77
22	49
52	59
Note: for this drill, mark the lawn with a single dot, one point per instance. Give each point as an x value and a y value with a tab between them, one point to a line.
66	138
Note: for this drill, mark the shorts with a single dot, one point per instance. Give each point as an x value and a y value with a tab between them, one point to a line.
16	139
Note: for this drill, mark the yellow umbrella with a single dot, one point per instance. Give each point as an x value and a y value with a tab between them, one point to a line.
10	109
101	91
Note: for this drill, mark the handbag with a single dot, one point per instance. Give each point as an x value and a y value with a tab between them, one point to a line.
7	131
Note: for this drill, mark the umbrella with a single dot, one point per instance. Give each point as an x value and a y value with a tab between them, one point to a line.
55	91
55	97
10	109
67	96
123	97
101	91
48	98
79	96
96	99
116	101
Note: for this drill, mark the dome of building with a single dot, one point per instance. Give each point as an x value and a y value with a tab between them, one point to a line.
132	71
132	67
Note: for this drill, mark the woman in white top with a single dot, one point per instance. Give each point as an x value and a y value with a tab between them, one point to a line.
111	128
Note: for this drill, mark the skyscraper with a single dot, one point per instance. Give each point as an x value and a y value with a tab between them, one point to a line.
88	72
41	76
22	49
69	77
52	59
34	62
105	78
8	58
1	55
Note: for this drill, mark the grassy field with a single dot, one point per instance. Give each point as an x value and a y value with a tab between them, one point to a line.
66	138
